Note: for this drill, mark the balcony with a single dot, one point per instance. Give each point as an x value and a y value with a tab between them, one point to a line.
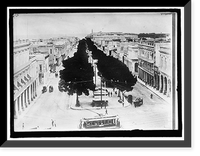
147	70
145	59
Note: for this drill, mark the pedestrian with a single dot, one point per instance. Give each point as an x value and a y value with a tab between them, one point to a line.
22	125
106	111
151	96
108	94
111	93
52	122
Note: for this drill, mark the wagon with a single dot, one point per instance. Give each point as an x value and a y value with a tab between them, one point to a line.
138	102
44	89
50	89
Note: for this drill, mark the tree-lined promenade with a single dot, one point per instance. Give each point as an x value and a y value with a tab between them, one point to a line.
77	75
77	78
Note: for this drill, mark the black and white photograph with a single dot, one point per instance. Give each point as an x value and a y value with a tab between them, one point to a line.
89	72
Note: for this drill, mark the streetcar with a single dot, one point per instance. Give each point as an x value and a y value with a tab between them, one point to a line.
100	122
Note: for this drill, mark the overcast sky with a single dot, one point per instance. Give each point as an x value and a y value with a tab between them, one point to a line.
81	24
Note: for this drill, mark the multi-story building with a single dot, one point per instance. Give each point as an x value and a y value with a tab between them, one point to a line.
25	76
165	69
60	49
43	68
52	59
146	61
131	58
155	64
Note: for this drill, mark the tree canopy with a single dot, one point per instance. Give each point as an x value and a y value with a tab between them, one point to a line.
77	75
112	69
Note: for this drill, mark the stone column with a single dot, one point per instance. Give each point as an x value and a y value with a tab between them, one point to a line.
165	82
169	87
19	104
36	88
25	98
160	88
22	102
28	95
15	109
31	92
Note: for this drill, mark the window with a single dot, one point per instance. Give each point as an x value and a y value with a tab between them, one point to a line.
40	68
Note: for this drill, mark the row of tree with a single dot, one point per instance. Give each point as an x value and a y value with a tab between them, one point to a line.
112	70
77	75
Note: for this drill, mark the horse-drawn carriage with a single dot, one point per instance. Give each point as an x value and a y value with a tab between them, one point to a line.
138	102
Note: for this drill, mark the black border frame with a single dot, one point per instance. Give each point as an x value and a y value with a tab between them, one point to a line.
122	143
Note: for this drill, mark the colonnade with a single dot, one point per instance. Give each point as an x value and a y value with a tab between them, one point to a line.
25	98
160	82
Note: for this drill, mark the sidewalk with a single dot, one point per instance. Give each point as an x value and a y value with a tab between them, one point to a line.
164	97
39	93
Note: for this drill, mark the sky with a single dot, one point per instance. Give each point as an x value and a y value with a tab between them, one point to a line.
81	24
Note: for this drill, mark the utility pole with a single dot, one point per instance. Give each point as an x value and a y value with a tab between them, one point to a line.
95	74
101	93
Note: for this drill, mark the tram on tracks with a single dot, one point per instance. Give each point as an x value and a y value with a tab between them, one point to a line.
100	122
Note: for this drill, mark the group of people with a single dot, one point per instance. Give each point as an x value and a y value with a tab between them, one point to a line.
111	93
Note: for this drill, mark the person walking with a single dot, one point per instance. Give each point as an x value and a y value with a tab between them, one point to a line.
52	122
106	111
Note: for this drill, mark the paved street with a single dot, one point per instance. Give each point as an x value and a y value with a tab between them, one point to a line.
153	114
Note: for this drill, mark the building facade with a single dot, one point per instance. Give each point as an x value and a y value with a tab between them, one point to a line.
25	77
165	69
146	61
131	58
43	68
59	51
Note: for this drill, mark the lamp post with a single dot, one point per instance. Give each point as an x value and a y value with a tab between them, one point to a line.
101	89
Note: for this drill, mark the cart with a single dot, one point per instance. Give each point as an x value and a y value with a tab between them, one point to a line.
44	89
138	102
50	89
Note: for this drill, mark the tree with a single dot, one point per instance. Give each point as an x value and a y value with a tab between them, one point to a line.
77	75
112	70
